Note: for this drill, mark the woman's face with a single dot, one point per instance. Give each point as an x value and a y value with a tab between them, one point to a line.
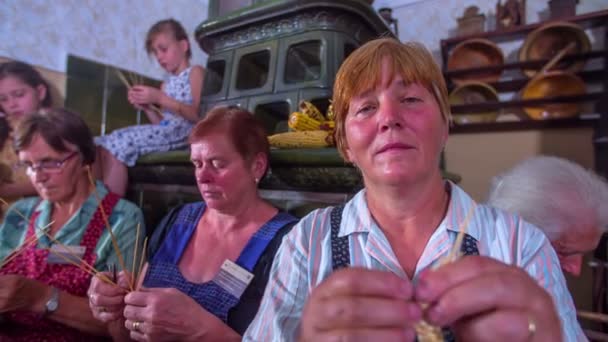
169	52
572	246
52	173
395	132
18	98
222	175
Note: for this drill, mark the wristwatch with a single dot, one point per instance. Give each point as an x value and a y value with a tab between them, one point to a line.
53	303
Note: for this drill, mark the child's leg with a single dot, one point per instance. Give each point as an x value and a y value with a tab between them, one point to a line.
115	173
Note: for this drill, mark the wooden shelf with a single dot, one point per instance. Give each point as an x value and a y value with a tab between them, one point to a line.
586	20
589	76
527	125
518	103
539	63
596	76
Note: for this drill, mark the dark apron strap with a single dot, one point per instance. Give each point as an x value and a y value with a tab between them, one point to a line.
468	247
340	249
257	244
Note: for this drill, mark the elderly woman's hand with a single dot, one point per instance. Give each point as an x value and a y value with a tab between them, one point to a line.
483	299
167	314
18	293
360	305
107	300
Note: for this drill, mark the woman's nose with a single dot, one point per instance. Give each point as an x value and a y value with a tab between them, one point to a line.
202	174
572	264
389	114
38	176
11	103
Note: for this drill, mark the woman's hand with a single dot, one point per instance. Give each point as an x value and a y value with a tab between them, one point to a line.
18	293
483	299
144	95
360	305
106	300
167	314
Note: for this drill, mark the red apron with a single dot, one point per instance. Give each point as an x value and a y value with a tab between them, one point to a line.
26	326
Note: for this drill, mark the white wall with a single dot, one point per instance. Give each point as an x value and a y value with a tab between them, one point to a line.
43	32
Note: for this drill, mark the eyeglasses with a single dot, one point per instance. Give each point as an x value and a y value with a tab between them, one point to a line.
47	166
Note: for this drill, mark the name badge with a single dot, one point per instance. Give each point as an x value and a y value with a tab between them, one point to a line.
60	254
233	278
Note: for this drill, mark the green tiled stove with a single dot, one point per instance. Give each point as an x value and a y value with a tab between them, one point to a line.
267	56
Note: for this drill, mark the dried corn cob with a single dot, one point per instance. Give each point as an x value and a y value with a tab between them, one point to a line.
328	126
304	139
300	122
309	109
330	115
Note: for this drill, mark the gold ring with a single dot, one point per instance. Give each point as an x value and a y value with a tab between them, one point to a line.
136	325
531	328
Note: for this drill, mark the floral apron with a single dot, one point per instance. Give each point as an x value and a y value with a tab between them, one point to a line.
31	263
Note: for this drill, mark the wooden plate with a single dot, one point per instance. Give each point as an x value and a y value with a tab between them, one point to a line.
554	83
547	40
476	53
473	92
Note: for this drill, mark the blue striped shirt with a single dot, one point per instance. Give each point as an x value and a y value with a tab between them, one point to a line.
304	259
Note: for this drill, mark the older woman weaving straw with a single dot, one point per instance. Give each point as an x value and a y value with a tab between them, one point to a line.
203	255
392	120
53	244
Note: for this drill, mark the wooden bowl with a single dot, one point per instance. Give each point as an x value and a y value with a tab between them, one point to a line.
475	53
473	92
547	40
554	83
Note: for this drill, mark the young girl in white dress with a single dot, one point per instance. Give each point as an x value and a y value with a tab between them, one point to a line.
178	99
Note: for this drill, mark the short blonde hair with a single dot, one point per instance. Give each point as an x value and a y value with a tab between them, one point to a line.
361	71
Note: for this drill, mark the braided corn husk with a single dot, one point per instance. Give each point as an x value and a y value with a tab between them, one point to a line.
425	331
428	333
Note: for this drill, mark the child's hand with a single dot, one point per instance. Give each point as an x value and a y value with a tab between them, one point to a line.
143	95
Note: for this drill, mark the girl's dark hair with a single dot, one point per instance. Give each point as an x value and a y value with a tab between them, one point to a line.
28	75
4	131
57	126
170	26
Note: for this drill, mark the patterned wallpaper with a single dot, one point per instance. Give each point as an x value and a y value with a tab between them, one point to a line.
44	32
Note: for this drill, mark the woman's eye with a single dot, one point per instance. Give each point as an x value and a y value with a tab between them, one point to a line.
410	99
217	164
196	164
365	109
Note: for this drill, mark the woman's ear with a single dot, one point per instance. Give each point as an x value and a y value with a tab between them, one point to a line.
259	165
41	91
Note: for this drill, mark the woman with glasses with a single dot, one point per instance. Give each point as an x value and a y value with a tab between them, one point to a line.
42	289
